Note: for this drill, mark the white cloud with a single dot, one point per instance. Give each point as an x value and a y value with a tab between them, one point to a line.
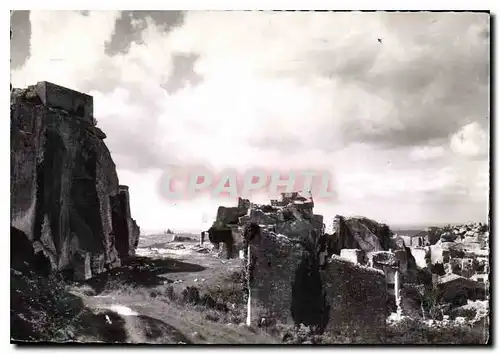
154	214
470	140
292	90
60	52
427	152
397	185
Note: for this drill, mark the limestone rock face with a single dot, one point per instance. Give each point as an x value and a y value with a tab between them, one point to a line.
361	233
421	256
65	193
126	229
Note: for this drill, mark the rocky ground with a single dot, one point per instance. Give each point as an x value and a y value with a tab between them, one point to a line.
144	301
173	293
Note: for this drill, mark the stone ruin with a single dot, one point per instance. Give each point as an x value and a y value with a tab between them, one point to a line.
342	298
66	200
291	283
458	258
358	300
292	216
369	272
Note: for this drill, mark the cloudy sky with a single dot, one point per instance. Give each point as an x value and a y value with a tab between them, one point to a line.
394	105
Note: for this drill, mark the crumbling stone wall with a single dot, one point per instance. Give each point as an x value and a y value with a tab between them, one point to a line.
291	216
288	285
227	216
63	180
358	301
353	255
275	261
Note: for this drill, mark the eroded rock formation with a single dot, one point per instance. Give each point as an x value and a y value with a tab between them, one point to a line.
65	195
359	233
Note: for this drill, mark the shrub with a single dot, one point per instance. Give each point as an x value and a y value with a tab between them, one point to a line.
416	331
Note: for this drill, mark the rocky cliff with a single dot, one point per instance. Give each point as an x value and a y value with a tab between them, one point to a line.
359	233
65	196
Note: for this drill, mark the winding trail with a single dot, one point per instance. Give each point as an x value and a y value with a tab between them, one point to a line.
155	319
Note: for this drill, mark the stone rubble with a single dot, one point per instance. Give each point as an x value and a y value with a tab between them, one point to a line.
457	256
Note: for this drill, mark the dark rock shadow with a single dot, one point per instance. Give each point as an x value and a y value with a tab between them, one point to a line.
97	328
140	272
39	307
109	327
309	305
21	250
160	332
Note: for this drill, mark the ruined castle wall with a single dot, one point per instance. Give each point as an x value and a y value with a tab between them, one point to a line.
358	299
275	265
288	286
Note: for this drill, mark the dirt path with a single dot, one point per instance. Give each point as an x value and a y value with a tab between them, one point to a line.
189	252
182	320
136	293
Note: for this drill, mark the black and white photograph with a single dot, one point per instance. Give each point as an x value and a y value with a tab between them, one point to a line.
257	177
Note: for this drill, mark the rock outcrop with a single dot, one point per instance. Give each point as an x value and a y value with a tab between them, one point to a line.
359	233
65	194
